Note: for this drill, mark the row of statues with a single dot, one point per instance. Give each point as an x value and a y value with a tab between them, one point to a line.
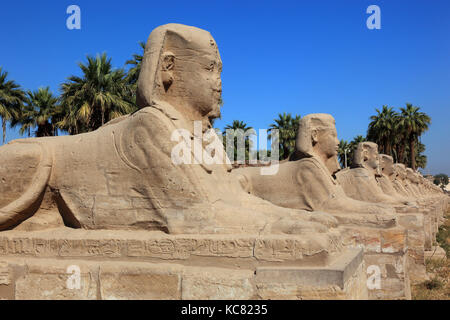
121	176
312	180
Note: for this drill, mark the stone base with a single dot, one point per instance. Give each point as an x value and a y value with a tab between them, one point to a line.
385	258
436	253
80	264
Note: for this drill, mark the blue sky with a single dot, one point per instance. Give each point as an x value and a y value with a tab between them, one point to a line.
279	56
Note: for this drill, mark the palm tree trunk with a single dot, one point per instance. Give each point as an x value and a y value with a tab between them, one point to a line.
412	152
401	153
4	129
388	148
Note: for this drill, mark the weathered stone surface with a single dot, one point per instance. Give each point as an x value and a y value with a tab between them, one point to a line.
436	253
343	279
42	279
54	280
156	246
218	284
138	281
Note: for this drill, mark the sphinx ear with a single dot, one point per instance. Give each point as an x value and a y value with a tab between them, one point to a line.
365	155
168	64
314	137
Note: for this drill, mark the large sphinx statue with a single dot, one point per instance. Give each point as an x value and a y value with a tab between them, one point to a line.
122	176
306	181
359	182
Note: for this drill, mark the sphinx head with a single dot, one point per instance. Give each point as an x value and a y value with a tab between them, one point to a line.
387	165
182	66
366	155
317	137
411	175
400	171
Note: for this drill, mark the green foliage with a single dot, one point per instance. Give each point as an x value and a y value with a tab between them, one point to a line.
288	128
350	147
397	134
12	98
433	284
442	238
100	95
40	112
238	125
135	63
441	180
343	153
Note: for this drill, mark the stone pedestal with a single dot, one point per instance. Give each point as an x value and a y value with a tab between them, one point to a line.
80	264
385	259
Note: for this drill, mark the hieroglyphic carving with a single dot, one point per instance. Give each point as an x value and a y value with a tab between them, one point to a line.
166	248
277	250
5	277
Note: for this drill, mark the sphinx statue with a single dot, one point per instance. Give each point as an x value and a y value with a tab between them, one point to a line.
412	183
359	182
122	175
306	181
386	177
399	182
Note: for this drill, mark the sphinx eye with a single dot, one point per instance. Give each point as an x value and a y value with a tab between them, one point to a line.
211	66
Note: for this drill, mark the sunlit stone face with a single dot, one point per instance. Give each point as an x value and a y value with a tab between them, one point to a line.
372	157
328	142
197	80
400	171
387	164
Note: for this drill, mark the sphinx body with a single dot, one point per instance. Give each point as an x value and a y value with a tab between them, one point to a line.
122	176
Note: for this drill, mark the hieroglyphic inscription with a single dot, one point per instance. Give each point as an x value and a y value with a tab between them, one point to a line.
5	277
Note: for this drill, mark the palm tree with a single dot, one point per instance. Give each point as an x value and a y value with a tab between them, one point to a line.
136	62
238	125
100	95
39	112
382	129
11	100
288	128
343	152
414	123
420	157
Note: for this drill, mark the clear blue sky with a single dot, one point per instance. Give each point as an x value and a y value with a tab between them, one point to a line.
279	56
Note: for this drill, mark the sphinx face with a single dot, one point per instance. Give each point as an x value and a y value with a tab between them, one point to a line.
401	173
410	175
197	79
373	160
328	142
388	168
387	165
